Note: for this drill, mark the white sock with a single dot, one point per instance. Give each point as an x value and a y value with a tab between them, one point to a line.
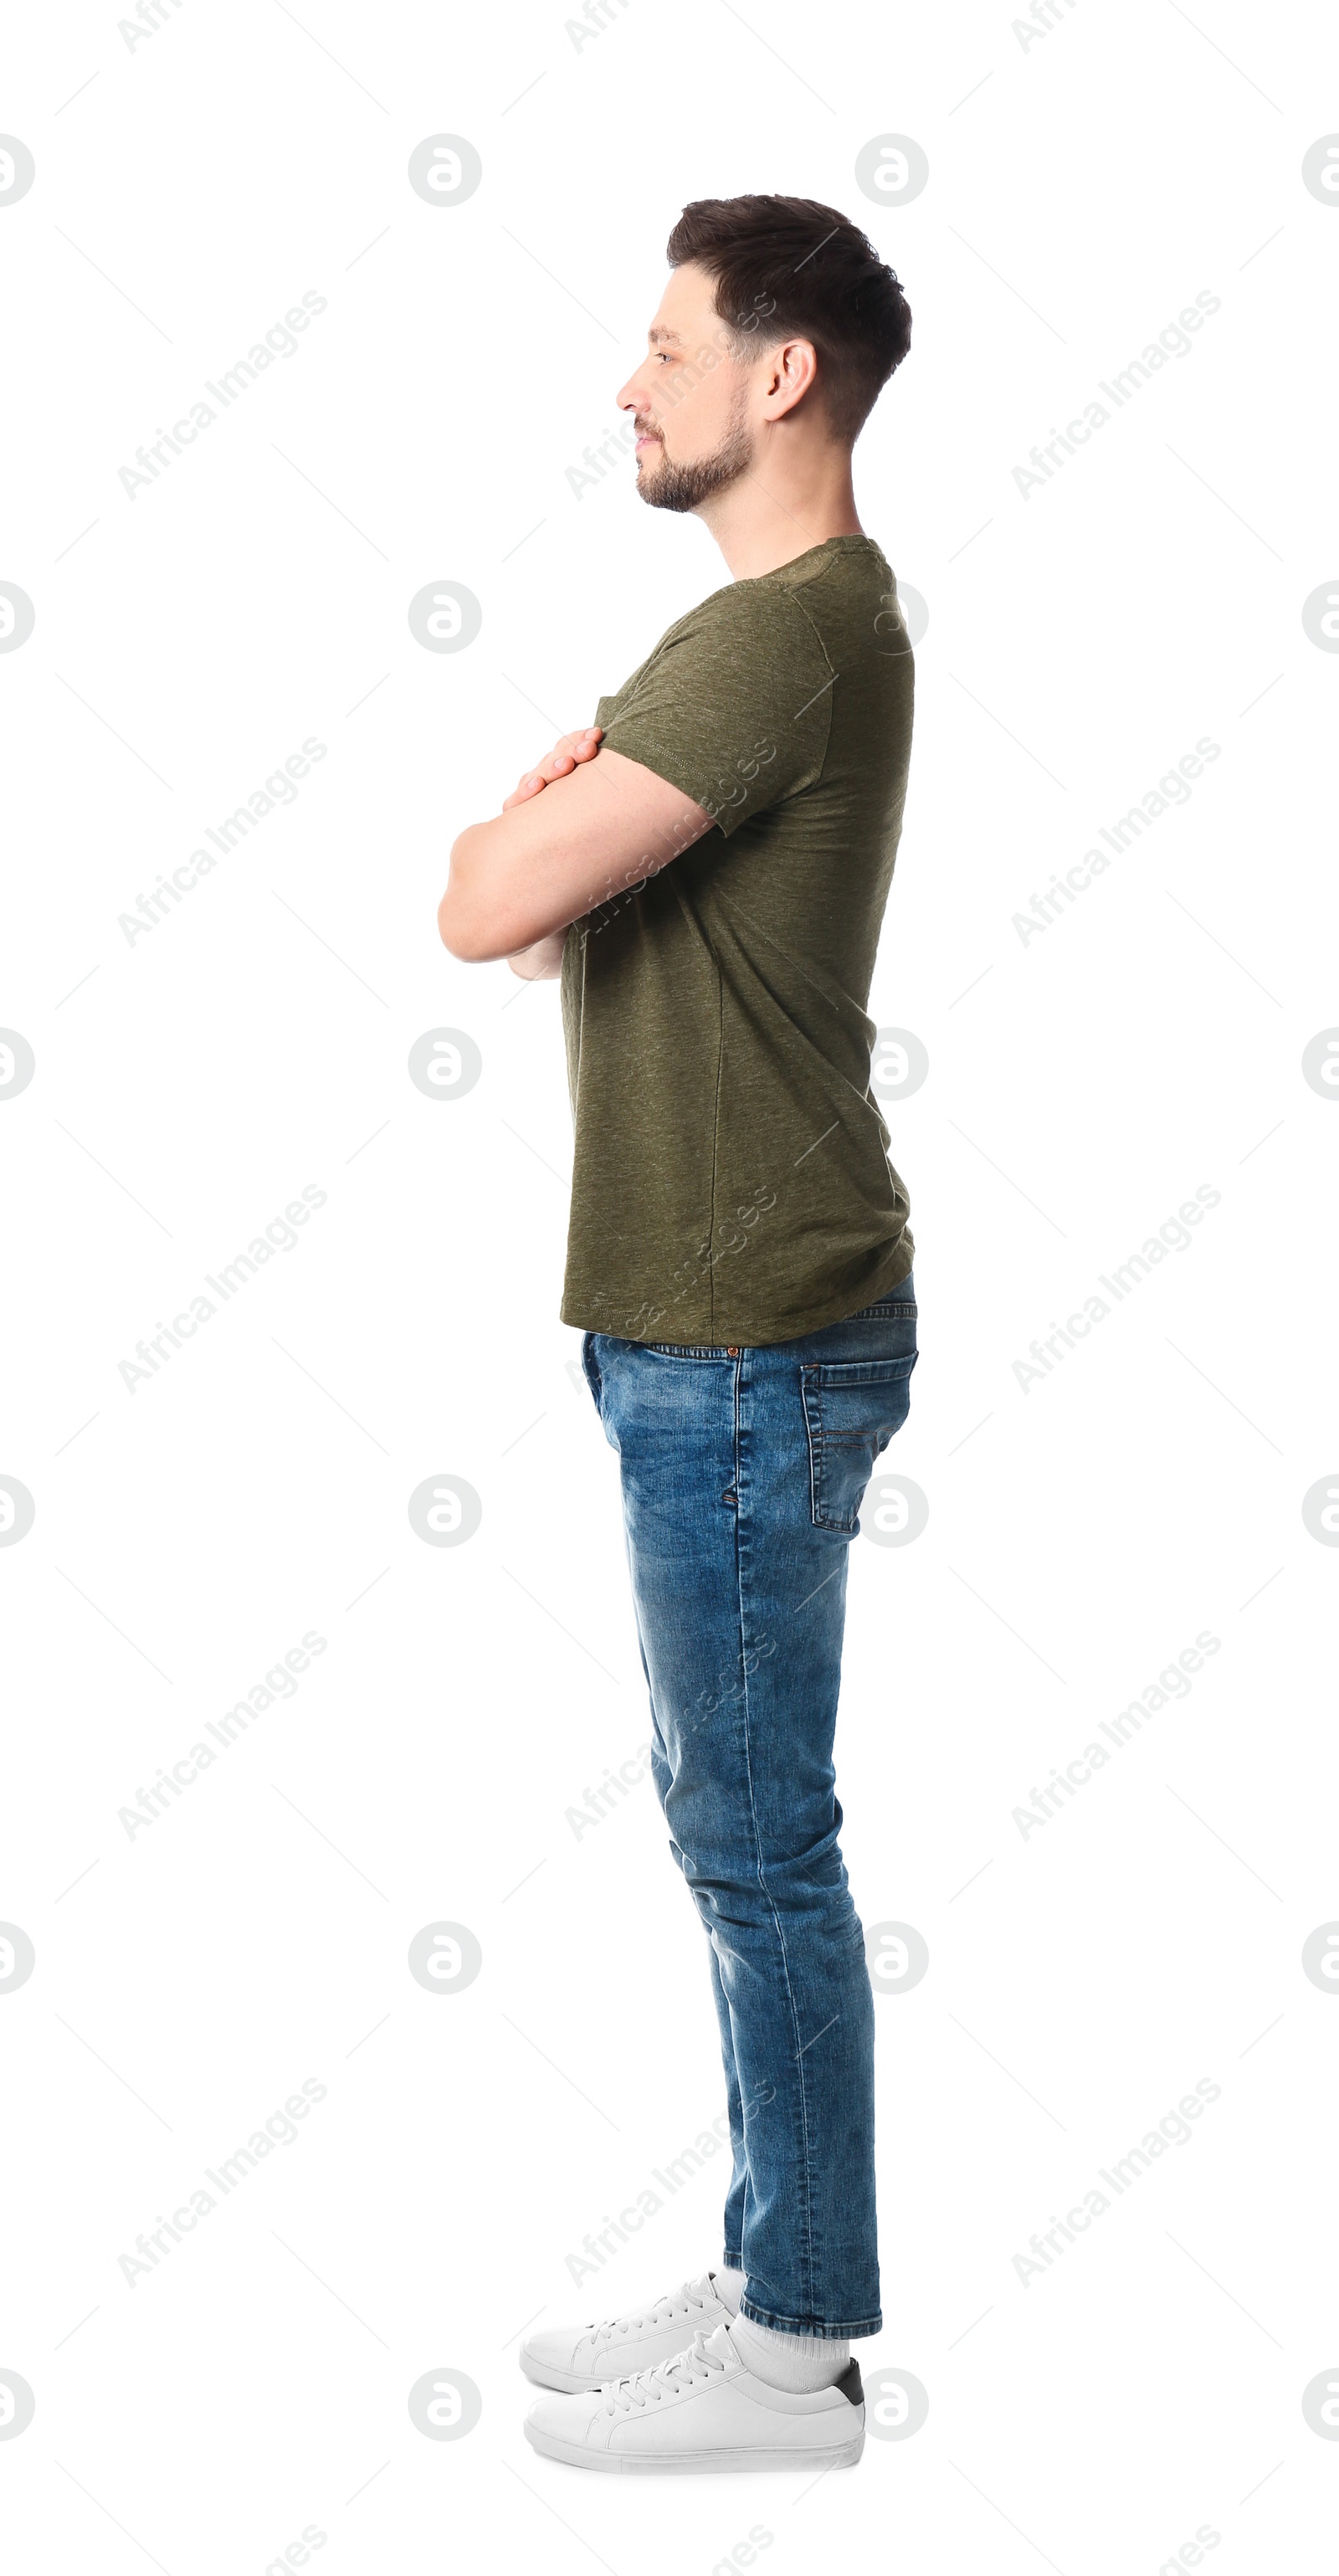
729	2287
800	2363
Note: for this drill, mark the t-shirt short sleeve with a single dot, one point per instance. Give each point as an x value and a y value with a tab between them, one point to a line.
734	705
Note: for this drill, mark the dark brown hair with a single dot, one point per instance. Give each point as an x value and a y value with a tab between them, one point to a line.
786	265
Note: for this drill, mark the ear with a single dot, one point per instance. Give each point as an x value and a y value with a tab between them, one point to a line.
792	374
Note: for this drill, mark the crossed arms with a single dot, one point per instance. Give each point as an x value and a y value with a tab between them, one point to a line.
577	831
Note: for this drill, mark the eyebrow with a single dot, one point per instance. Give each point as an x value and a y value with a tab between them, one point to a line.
657	332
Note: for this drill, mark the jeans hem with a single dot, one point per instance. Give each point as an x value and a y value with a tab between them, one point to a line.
840	2333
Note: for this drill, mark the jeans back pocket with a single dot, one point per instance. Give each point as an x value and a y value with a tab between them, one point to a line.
851	1409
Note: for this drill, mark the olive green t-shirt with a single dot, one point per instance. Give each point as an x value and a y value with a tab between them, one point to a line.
731	1182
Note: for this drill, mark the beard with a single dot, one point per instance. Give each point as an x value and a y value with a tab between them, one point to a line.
672	486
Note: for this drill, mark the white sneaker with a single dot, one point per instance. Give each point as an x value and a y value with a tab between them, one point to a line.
584	2357
704	2410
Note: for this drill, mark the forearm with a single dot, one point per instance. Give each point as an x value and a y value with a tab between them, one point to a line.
517	881
489	909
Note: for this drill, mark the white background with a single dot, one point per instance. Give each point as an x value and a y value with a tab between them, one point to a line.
1083	189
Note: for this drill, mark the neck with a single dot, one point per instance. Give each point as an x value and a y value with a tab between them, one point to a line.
793	496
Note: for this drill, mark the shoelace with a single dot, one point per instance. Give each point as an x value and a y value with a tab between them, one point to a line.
648	2387
676	2303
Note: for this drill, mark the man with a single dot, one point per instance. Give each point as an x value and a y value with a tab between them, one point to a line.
707	867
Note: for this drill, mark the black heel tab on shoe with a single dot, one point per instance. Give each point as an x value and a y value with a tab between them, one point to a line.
850	2383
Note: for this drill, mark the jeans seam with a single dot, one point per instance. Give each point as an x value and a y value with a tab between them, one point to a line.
807	2211
817	1445
590	1370
814	1497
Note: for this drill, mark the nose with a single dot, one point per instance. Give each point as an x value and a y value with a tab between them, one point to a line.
633	395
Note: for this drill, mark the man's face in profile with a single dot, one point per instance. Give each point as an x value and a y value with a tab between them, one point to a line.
690	399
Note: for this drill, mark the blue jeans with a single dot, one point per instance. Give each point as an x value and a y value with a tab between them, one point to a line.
743	1473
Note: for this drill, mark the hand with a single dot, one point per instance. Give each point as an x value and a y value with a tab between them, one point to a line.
563	758
541	961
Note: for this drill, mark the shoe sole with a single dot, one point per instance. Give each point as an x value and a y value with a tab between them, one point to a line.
693	2463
